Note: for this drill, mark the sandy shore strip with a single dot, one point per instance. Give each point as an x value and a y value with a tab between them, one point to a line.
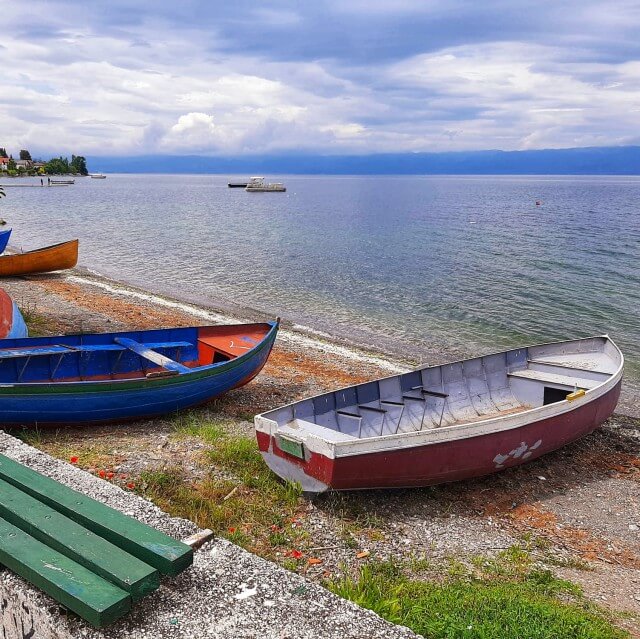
579	505
92	291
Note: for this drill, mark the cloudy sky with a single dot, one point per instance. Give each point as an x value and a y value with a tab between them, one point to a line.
317	76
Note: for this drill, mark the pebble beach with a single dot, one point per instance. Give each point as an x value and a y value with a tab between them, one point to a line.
582	500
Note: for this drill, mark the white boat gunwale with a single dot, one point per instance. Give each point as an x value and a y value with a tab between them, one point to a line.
489	425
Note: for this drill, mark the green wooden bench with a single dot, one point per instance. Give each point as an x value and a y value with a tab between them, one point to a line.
91	558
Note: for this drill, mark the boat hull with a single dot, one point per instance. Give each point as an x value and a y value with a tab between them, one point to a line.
12	324
440	462
44	260
86	402
4	239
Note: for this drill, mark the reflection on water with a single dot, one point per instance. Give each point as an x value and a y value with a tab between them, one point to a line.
451	263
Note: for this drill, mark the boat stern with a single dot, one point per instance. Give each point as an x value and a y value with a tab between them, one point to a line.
295	455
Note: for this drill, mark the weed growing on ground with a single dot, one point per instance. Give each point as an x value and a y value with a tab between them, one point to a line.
191	424
240	499
90	455
253	508
576	563
528	606
37	324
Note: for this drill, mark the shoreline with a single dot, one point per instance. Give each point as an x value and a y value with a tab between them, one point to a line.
292	334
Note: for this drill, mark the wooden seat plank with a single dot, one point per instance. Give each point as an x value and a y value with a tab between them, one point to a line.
144	351
151	546
551	378
76	542
69	583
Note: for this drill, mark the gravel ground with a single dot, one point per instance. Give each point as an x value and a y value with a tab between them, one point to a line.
579	504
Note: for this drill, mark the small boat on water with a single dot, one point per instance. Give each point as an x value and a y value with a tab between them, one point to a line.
50	258
237	185
12	324
61	182
97	176
258	184
445	423
72	379
4	239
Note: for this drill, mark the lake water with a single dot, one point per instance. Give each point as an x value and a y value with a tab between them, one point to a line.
456	265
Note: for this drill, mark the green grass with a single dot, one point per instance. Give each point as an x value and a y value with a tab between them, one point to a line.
248	505
37	324
193	425
534	605
91	455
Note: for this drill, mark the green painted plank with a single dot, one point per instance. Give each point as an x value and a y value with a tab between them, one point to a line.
164	553
76	542
69	583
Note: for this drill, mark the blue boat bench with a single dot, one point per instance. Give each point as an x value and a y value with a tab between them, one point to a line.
148	351
62	349
92	559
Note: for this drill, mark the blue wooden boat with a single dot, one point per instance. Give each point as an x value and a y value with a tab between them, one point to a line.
12	323
4	239
77	379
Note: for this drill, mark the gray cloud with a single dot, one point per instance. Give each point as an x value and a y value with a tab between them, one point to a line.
329	76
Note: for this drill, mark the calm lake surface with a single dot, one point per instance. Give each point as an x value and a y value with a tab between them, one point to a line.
457	265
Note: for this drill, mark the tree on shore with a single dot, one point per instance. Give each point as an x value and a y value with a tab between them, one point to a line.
61	166
79	165
57	166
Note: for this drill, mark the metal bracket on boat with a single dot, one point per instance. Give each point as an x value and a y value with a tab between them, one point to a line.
389	402
424	391
347	413
23	367
373	409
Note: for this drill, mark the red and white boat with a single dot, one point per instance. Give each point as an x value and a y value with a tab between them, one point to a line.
445	423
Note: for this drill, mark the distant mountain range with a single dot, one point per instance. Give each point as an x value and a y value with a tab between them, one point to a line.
623	160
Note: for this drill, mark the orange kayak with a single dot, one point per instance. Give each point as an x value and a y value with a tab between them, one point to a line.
43	260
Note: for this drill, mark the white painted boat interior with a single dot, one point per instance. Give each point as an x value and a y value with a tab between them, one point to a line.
452	394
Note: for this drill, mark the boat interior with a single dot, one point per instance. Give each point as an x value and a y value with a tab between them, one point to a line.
458	393
127	355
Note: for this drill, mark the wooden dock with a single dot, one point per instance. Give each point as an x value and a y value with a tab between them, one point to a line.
31	186
21	186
